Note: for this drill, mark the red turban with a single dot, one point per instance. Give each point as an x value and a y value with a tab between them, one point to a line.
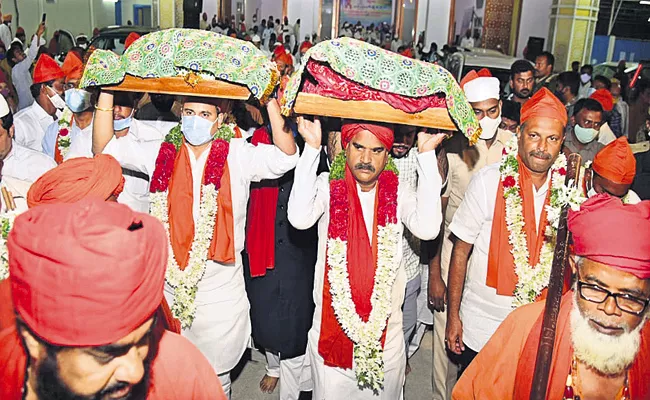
72	66
545	105
616	162
130	39
306	46
285	58
471	75
604	97
46	69
77	179
279	50
384	133
609	232
88	273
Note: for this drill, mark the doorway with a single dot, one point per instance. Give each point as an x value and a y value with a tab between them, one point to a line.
142	15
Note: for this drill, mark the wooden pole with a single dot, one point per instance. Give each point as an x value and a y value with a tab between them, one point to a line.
552	308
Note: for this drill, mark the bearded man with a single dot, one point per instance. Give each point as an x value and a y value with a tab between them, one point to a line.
356	345
484	288
85	314
602	346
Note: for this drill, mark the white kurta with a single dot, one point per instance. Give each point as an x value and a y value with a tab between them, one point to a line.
21	168
49	144
420	212
221	328
482	310
30	125
22	77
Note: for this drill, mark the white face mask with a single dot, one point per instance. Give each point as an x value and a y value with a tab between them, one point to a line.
489	127
585	78
56	99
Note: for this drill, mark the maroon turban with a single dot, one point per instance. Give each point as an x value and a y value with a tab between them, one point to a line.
609	232
87	273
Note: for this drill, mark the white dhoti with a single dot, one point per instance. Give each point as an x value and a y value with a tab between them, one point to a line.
221	328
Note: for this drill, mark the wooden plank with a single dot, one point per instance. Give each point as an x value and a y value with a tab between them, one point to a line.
178	86
313	104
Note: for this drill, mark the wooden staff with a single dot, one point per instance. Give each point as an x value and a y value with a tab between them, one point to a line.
8	198
554	296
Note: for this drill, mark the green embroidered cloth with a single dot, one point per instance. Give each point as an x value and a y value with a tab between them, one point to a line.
176	52
389	72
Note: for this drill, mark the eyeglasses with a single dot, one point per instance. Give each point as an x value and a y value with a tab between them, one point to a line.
625	302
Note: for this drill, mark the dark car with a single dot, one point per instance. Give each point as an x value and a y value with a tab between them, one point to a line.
113	37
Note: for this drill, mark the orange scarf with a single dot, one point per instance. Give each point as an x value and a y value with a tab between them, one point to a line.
181	223
501	273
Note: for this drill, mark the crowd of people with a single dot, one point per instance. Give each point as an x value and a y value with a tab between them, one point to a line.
279	229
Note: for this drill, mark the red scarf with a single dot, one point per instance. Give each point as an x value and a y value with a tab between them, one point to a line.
347	223
639	373
263	203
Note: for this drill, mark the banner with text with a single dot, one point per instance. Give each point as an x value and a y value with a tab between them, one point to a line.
366	11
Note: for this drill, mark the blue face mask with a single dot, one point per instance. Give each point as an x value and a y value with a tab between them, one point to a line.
77	100
122	124
197	130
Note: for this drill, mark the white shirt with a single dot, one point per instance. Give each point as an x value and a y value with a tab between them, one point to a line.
30	125
467	42
418	210
22	78
136	151
26	164
5	35
48	143
407	167
482	310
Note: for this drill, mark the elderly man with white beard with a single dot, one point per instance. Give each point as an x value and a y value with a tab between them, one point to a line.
602	346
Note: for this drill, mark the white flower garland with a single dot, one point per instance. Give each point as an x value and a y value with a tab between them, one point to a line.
533	279
6	222
368	352
63	142
185	282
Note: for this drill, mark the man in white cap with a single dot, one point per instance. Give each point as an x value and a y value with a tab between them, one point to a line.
482	92
19	165
257	41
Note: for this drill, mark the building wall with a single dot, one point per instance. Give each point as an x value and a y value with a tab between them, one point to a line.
463	14
72	15
436	23
127	9
535	20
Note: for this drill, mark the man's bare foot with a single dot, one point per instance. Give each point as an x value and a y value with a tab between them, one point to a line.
268	384
408	368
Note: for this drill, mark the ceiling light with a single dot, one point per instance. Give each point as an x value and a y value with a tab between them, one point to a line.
645	2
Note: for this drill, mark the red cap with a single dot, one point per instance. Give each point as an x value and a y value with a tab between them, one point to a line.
306	46
609	232
604	97
544	104
86	273
471	75
46	70
384	133
615	162
130	39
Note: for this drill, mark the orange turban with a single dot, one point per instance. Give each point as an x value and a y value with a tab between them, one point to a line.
615	162
384	133
604	97
607	231
285	58
72	66
76	179
545	105
46	70
279	50
88	273
130	39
